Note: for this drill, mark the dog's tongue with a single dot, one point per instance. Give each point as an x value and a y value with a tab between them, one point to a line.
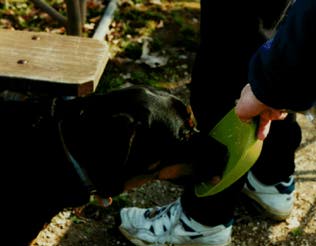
243	149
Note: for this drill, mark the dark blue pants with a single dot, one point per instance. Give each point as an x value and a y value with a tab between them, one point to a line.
229	36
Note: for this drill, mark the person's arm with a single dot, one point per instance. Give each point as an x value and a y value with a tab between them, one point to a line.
282	71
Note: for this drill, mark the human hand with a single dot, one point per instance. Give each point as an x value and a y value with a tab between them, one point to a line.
248	107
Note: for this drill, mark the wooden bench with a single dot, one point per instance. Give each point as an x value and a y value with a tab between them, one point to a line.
51	64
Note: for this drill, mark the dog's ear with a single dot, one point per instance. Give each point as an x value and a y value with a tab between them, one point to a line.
126	127
102	146
110	143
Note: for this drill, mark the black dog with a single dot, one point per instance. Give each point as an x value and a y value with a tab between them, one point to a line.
139	125
111	137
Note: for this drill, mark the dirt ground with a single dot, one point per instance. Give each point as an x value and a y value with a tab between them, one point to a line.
97	226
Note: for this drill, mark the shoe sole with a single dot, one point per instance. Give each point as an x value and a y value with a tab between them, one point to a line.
139	242
264	209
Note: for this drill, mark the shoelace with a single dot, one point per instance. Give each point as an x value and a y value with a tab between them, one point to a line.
170	215
158	212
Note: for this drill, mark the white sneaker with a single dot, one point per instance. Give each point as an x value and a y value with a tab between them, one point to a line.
276	200
168	225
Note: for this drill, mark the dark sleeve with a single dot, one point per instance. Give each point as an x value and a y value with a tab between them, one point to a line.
282	72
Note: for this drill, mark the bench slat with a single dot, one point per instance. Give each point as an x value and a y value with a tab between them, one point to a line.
50	63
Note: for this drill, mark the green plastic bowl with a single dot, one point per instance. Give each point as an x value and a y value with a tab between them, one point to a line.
243	149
